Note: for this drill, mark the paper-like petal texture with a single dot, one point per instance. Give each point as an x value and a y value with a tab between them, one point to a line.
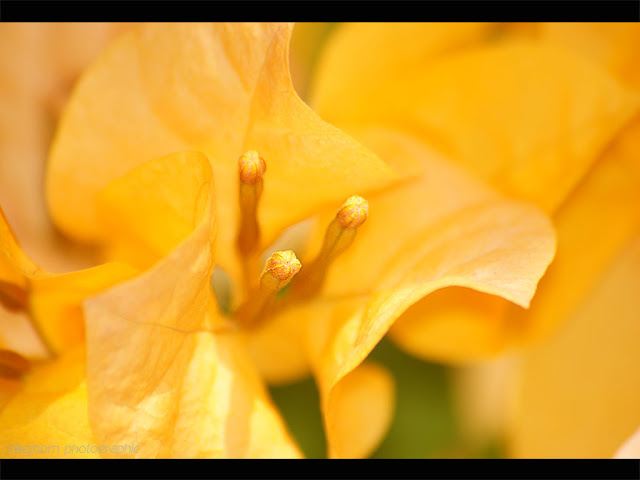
49	411
190	389
155	206
221	89
463	234
529	118
579	395
594	223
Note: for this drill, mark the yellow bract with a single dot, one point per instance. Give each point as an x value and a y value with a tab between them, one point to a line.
220	89
590	405
475	144
579	395
48	417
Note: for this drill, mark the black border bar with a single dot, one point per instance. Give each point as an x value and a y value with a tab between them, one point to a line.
330	11
285	469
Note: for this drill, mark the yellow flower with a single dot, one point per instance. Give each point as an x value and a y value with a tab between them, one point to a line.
156	375
40	63
546	114
160	218
582	378
517	113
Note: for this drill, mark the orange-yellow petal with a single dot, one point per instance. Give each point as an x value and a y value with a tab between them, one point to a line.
401	245
163	370
38	65
359	411
464	234
361	60
221	89
530	118
579	393
595	223
612	45
15	265
457	325
55	301
148	211
47	417
145	213
51	303
277	347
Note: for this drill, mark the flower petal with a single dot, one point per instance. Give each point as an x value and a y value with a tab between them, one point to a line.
277	347
453	208
362	59
38	65
163	370
48	417
220	89
359	411
612	45
148	211
51	302
529	118
595	223
579	395
463	234
55	301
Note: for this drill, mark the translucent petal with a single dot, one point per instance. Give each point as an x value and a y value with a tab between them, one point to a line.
221	89
189	388
578	393
528	117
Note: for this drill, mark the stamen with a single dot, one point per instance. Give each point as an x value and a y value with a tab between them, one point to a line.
12	365
341	233
353	212
280	268
251	168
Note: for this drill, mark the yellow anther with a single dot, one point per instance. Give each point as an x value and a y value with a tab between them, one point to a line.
340	234
353	212
278	271
280	268
13	365
251	167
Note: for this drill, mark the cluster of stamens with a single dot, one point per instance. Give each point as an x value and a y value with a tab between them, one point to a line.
282	266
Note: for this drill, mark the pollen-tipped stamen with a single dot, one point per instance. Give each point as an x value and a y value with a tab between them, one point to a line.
278	271
251	168
340	234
